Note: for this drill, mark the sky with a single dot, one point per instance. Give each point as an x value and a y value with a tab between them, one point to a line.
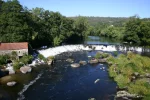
101	8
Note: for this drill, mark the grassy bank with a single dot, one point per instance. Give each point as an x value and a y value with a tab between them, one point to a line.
131	71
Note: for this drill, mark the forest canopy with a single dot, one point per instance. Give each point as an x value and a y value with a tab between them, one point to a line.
42	27
38	26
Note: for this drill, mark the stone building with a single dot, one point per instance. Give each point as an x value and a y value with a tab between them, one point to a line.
20	48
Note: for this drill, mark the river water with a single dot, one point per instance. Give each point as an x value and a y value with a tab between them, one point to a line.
62	82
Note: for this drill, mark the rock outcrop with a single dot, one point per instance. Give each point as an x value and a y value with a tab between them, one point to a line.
6	79
25	69
75	65
49	62
70	60
92	99
82	62
11	83
102	60
93	61
125	94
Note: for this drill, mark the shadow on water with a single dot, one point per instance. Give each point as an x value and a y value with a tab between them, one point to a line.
11	93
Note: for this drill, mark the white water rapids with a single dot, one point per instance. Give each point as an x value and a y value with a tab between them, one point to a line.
72	48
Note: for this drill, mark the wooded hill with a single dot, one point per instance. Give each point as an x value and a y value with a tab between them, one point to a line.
115	21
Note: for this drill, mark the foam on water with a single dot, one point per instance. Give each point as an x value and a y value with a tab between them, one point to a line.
21	96
71	48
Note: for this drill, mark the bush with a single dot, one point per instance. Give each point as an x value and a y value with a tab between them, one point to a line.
105	55
141	87
115	53
98	55
112	72
122	80
130	55
101	55
3	59
26	59
14	55
41	57
17	65
57	41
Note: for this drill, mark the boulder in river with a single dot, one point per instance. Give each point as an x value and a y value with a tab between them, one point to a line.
82	62
70	60
96	81
75	65
102	60
49	62
126	94
147	75
6	79
25	69
92	99
11	83
93	61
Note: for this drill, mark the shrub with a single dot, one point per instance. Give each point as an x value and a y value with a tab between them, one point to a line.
17	65
105	55
111	59
101	55
26	59
115	53
130	55
112	72
40	56
122	80
141	86
14	55
98	55
3	59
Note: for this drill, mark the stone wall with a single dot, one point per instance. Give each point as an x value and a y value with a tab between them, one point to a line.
20	52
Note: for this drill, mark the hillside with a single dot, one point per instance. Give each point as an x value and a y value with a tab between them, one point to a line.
116	21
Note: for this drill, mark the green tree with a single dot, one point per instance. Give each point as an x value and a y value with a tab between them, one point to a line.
13	25
81	26
132	29
144	33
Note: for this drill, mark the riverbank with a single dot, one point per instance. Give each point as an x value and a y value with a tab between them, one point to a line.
131	72
73	48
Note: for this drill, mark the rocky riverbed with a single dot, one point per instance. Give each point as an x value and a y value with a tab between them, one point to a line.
61	81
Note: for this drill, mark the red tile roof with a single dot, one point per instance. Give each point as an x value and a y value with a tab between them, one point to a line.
14	46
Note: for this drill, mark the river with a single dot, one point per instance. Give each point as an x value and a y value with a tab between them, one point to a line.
62	82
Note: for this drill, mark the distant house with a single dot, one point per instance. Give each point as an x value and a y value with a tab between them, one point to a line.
20	48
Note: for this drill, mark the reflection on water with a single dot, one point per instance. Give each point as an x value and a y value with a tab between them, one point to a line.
101	40
145	51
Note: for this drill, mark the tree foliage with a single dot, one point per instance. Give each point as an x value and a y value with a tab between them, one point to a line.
137	31
38	26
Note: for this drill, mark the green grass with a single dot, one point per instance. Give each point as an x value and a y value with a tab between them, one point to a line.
101	55
122	70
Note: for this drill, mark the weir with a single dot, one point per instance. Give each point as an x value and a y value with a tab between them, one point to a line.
102	47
